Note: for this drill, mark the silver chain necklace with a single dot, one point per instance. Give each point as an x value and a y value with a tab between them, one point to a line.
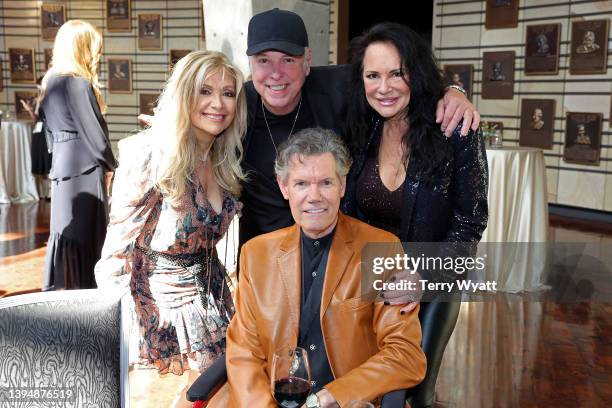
268	126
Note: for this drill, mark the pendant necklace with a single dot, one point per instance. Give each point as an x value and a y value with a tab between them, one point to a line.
268	126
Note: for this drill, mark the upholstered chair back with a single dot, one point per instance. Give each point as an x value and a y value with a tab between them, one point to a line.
68	345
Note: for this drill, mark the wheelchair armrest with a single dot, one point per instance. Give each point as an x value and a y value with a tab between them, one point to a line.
394	399
216	375
209	381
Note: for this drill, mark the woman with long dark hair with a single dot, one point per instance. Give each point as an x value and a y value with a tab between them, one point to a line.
407	177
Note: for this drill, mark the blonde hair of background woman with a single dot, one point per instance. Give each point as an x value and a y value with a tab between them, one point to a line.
171	127
77	51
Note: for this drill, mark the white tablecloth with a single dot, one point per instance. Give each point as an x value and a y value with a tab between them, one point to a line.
518	212
17	183
493	348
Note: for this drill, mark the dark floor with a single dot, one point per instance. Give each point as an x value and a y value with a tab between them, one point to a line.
508	352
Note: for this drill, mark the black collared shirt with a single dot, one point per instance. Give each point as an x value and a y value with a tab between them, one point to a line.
315	253
312	253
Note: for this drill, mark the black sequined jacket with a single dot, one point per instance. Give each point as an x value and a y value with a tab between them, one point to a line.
450	206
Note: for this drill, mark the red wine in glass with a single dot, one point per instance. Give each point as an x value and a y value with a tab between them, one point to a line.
291	392
290	377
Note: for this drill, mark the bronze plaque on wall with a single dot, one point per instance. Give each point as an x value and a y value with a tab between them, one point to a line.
148	102
589	47
119	15
498	75
176	55
150	32
119	75
461	75
48	58
501	14
22	65
542	49
28	97
583	138
537	123
52	16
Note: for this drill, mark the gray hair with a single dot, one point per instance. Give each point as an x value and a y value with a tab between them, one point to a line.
312	142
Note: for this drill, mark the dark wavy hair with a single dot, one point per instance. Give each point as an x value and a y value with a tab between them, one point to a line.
428	147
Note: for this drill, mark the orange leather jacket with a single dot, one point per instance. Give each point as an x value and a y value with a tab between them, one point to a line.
371	348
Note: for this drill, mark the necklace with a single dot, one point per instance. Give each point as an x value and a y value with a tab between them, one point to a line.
203	157
396	163
268	126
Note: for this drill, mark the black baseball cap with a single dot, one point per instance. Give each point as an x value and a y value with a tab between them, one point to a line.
279	30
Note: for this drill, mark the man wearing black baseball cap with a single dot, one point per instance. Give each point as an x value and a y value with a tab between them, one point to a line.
279	30
287	95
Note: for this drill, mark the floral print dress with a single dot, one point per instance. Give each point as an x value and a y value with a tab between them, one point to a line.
174	318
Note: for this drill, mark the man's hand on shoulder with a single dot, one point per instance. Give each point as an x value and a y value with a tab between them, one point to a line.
454	107
145	120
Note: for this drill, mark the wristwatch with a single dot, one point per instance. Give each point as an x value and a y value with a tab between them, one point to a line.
313	401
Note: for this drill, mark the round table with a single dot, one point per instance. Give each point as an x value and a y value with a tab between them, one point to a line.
518	200
515	238
17	184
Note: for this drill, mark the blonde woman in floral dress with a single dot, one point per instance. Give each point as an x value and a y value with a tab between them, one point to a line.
173	198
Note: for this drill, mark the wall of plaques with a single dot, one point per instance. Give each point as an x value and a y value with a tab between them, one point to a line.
541	68
140	38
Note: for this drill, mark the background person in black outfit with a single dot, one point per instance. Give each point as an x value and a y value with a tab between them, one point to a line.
407	178
287	95
83	161
39	153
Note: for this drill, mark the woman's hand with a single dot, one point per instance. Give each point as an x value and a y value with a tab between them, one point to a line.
454	107
108	176
408	298
27	105
145	120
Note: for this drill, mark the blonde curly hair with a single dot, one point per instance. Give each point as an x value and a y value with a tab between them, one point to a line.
171	127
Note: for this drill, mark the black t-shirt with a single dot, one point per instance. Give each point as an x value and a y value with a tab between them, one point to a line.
265	209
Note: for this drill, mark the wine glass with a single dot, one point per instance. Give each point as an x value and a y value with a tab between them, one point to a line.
359	404
290	379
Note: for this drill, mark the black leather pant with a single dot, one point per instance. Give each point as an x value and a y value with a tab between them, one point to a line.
438	321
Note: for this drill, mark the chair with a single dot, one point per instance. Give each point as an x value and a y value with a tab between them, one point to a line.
67	343
438	321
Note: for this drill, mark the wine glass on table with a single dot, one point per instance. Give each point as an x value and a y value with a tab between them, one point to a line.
290	379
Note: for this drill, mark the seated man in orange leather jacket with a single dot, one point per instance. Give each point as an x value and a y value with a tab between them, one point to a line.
301	286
